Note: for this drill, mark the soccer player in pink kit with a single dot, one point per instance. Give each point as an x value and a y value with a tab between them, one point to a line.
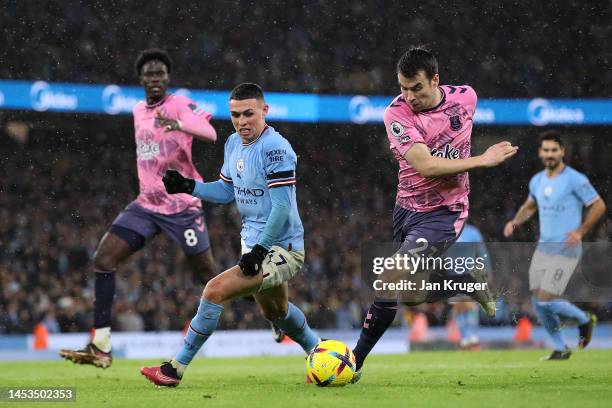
429	128
165	126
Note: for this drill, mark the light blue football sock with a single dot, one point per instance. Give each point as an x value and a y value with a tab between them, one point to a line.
568	310
473	320
201	327
463	325
295	326
550	321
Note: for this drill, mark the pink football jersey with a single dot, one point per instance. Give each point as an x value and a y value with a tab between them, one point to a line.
158	151
446	131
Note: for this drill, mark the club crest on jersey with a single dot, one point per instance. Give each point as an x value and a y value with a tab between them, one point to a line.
548	191
240	165
456	113
455	122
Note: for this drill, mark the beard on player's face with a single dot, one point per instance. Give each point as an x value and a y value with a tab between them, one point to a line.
551	155
552	163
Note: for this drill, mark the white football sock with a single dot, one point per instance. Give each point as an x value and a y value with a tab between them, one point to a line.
102	339
180	368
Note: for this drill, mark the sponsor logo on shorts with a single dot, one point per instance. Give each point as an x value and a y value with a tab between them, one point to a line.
199	223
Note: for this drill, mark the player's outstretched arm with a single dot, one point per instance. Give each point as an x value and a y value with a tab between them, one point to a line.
528	208
220	191
429	166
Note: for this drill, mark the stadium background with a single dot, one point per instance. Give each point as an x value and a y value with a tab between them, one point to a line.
64	177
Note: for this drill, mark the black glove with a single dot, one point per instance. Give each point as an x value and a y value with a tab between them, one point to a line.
176	183
250	263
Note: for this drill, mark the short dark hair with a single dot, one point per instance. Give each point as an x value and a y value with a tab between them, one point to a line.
151	54
416	59
550	135
247	90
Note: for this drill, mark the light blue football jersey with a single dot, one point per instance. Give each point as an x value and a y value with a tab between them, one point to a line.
470	234
470	244
560	201
254	168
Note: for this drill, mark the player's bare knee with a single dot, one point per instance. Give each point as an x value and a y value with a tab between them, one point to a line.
104	262
213	292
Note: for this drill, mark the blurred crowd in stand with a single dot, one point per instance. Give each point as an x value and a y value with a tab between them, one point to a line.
518	49
60	190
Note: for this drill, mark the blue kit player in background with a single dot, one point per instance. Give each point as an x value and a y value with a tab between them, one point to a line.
259	174
470	244
559	193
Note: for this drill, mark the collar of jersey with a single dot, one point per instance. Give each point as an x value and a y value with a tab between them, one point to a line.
556	175
257	138
438	105
158	103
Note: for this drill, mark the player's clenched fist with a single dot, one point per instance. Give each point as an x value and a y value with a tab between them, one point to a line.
250	263
168	124
498	153
176	183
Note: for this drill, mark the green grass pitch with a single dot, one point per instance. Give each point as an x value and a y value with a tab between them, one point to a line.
456	379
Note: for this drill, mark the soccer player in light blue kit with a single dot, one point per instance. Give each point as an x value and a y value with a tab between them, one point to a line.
559	193
469	245
259	174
